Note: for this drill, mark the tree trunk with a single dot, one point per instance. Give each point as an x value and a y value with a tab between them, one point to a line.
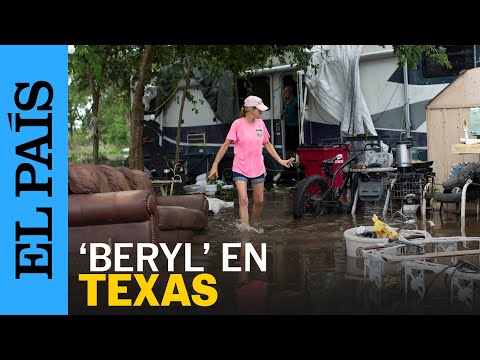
182	103
94	122
180	119
136	133
128	113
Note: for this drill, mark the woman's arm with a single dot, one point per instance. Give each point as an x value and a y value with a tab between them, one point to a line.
221	153
271	150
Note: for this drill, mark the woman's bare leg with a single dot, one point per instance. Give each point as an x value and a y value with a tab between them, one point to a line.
242	200
258	191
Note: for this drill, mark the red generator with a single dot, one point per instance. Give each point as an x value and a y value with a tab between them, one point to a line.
311	157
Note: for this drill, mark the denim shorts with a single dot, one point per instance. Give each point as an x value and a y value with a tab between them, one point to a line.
258	179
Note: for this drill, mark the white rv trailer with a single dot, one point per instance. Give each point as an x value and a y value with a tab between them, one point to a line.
396	107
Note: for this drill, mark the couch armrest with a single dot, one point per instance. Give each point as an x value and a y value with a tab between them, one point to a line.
193	201
110	207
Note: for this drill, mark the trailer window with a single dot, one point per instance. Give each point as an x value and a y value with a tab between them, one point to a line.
258	86
460	57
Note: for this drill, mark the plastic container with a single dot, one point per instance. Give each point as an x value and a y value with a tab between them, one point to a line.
311	157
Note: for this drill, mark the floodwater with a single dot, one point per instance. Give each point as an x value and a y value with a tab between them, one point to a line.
306	269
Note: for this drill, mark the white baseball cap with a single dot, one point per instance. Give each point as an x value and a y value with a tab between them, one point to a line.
255	101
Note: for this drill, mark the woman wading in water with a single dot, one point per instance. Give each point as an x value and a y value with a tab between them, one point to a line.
249	135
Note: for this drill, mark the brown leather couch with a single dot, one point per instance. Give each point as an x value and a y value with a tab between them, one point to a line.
116	204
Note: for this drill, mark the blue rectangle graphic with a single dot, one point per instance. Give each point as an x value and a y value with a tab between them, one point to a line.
34	221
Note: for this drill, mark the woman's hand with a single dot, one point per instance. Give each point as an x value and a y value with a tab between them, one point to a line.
288	162
213	174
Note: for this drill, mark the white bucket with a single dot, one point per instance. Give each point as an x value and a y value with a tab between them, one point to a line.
354	241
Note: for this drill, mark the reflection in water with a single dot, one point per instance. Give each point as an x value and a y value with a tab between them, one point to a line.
449	270
307	270
252	288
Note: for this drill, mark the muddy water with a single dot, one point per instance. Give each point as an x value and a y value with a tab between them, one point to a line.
308	272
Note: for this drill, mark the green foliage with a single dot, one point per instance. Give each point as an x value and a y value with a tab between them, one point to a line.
240	58
103	65
114	110
80	138
211	181
96	69
194	101
433	199
80	151
117	134
79	106
114	126
113	113
412	53
108	69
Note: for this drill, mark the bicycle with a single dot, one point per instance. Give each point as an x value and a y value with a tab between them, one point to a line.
316	195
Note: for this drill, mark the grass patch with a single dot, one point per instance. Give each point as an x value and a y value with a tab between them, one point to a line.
107	153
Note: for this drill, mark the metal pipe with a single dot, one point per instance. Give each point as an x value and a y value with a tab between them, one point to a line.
474	56
387	198
377	55
464	197
407	101
355	201
264	71
302	119
386	204
272	113
300	109
363	57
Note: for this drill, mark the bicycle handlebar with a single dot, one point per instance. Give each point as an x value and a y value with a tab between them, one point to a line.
330	162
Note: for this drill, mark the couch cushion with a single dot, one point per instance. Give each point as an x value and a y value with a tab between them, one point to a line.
86	179
177	217
115	177
191	201
137	179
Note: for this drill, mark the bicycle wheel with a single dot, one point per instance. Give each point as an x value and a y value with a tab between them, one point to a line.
308	191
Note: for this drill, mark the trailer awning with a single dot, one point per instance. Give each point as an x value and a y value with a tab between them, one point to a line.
335	87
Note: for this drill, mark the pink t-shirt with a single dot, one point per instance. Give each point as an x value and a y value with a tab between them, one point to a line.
248	139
